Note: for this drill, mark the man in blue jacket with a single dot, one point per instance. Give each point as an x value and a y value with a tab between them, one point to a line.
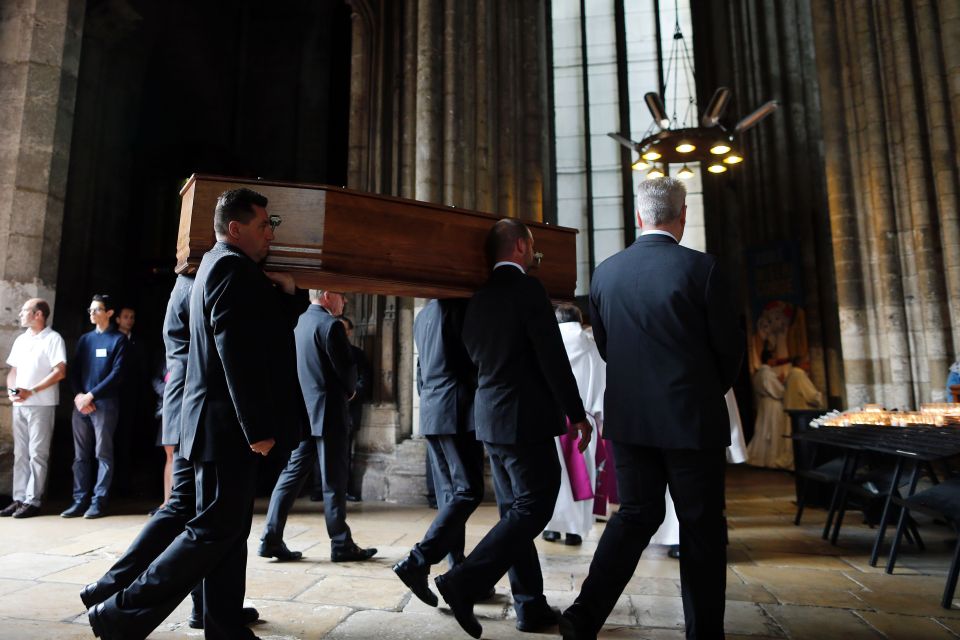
95	377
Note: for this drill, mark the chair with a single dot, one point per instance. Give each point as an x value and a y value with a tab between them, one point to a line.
943	501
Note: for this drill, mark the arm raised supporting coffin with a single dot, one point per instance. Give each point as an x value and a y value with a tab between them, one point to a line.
347	240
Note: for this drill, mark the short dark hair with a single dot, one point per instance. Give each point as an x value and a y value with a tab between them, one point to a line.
348	321
502	236
106	299
43	307
567	312
236	205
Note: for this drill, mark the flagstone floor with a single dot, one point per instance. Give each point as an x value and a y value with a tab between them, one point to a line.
783	581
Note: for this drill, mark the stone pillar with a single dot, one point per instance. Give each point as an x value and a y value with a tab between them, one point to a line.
39	61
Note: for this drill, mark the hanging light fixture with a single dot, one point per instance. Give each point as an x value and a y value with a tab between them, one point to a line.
640	164
655	173
719	148
685	173
678	133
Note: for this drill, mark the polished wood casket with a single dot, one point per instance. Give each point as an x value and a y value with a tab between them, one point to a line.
344	240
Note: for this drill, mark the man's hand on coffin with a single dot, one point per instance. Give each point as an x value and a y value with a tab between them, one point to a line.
263	447
283	280
585	430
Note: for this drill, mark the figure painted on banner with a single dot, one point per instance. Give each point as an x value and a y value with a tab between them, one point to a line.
663	319
447	383
95	376
328	377
669	532
953	380
573	515
240	342
526	391
38	362
770	445
799	390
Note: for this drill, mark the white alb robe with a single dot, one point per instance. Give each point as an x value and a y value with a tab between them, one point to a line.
569	515
669	531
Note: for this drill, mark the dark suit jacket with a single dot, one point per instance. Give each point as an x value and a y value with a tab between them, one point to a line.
446	378
176	343
664	320
241	385
525	385
325	366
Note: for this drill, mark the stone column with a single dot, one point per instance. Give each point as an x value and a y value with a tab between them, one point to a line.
39	61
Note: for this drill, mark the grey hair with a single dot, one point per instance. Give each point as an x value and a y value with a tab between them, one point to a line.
660	201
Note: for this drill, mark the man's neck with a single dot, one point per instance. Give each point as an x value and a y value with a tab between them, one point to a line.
103	328
34	330
125	332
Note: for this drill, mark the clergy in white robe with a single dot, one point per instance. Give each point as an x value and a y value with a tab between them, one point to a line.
573	513
669	531
800	392
770	446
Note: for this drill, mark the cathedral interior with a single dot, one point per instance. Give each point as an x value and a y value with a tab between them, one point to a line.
840	227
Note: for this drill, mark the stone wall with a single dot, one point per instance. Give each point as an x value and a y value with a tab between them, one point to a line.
39	61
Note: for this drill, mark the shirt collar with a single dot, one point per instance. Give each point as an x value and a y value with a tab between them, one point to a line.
507	262
659	232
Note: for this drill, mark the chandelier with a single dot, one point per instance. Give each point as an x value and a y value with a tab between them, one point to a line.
680	138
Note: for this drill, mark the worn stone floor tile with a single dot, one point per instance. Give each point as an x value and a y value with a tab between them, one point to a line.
9	585
40	630
748	618
765	558
296	620
653	587
898	626
796	578
658	611
953	624
49	601
814	597
916	604
30	566
816	623
82	574
357	592
278	585
742	592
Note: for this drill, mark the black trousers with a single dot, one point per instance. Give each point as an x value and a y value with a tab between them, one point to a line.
526	480
457	464
162	528
332	452
696	481
213	547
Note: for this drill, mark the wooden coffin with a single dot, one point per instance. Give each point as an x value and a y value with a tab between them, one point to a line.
343	240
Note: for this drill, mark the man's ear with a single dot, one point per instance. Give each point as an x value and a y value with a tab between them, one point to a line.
683	214
109	313
639	219
233	229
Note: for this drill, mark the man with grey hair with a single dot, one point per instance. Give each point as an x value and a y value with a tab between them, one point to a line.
664	321
38	362
328	378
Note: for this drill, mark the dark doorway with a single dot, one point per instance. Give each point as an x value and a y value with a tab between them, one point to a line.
166	89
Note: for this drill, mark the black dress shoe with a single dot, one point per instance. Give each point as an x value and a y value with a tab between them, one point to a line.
10	509
27	511
279	551
570	631
248	615
75	510
572	540
674	551
96	623
416	579
353	498
540	621
462	608
352	554
551	536
90	597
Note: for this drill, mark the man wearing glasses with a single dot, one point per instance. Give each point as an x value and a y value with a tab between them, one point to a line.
95	378
38	361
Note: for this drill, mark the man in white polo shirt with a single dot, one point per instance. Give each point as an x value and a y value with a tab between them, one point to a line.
38	361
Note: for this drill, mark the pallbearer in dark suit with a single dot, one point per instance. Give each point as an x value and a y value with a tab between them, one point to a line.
328	376
241	399
170	520
525	390
664	321
446	382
